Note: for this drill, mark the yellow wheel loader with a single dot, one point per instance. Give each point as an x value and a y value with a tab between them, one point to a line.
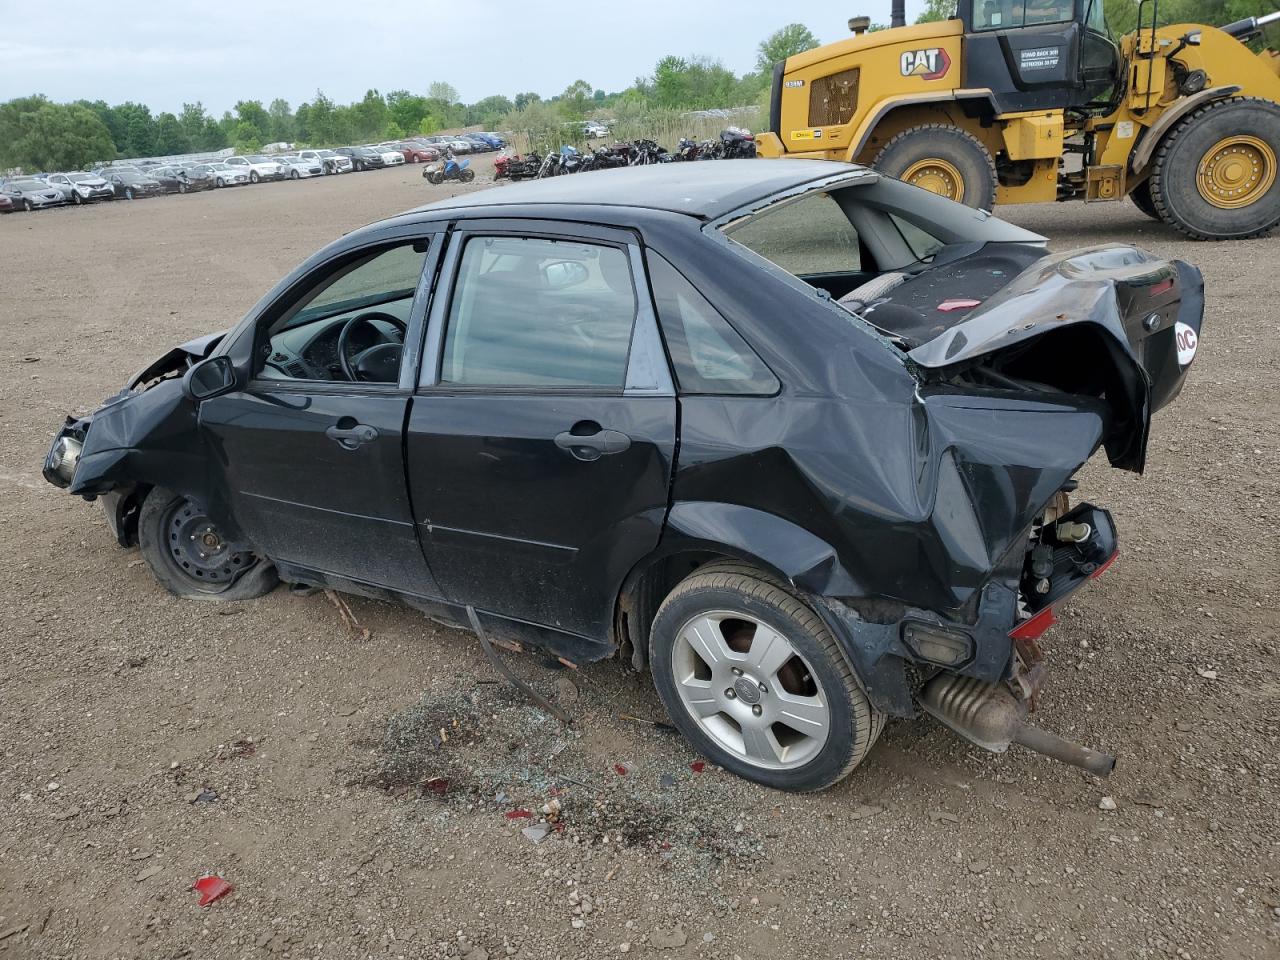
1024	101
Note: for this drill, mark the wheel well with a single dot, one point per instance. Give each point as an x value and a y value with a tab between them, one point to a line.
974	116
647	586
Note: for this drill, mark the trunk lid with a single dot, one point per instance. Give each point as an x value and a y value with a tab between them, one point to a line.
1112	321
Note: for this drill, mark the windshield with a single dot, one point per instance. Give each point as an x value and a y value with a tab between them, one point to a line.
29	185
129	176
78	177
1008	14
326	153
257	159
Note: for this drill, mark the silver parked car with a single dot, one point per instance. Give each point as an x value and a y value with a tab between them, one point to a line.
31	194
81	187
295	168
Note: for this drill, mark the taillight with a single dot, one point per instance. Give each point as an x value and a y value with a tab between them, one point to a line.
1104	566
1034	628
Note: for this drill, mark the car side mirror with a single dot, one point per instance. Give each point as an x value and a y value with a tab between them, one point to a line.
210	378
561	274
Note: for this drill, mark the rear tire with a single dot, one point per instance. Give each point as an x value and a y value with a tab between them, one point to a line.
1214	176
168	525
795	717
1141	197
944	160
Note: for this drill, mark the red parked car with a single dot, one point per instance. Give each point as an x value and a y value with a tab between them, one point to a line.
416	152
6	204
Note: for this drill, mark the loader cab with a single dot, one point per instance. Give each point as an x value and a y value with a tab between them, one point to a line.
1039	54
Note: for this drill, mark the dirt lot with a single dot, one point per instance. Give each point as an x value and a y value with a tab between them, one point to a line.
148	741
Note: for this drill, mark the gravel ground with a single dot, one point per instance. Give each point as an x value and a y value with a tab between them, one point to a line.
364	797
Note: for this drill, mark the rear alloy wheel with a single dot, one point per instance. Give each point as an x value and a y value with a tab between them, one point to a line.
1214	176
192	558
944	160
755	680
182	188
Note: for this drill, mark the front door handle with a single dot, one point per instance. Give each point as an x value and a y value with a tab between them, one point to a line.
592	446
350	437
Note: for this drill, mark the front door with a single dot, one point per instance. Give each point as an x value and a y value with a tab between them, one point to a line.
312	448
540	445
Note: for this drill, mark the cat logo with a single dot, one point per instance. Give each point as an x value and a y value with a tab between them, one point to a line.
927	64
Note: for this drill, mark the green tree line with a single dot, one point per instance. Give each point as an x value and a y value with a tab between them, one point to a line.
38	134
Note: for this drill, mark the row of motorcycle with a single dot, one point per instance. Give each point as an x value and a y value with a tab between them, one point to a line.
734	143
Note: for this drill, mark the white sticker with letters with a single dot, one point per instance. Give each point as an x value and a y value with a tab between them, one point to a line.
1187	342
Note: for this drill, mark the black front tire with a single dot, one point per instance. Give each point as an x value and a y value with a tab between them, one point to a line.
1141	197
76	198
743	591
937	154
1181	176
236	574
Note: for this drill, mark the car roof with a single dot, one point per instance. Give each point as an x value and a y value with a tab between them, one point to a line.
703	190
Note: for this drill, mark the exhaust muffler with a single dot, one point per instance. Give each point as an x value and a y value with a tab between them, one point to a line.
989	715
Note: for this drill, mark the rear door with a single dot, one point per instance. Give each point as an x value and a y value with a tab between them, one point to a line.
541	439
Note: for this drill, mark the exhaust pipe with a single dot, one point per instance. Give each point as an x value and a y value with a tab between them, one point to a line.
990	716
898	13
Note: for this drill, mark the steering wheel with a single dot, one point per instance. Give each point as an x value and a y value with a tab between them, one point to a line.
377	364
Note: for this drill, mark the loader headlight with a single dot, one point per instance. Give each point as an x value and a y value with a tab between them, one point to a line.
64	457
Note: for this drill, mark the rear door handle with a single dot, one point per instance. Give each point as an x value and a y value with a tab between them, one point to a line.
593	446
349	438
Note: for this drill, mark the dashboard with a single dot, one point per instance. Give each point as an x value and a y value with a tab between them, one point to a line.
310	350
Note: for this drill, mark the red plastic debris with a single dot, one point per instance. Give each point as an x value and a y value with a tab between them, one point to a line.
437	785
211	888
622	769
698	766
520	814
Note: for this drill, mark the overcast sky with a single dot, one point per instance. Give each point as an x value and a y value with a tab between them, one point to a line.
163	55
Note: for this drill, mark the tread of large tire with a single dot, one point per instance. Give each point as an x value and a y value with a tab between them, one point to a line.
737	575
1167	144
945	129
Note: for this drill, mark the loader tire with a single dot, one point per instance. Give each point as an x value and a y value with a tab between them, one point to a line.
1214	176
1141	197
944	160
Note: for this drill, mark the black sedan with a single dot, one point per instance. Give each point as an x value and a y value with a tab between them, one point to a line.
133	184
797	438
362	158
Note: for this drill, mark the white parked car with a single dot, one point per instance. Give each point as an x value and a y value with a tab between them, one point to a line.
227	175
257	167
330	161
81	187
391	156
295	168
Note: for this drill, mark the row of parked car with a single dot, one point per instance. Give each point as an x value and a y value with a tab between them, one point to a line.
151	178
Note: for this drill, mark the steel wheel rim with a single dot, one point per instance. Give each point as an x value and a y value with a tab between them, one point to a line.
937	176
749	690
200	551
1236	171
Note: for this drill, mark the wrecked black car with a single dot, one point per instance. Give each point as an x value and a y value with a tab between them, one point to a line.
796	438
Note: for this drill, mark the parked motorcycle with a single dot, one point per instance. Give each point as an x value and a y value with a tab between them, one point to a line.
449	169
737	144
519	167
